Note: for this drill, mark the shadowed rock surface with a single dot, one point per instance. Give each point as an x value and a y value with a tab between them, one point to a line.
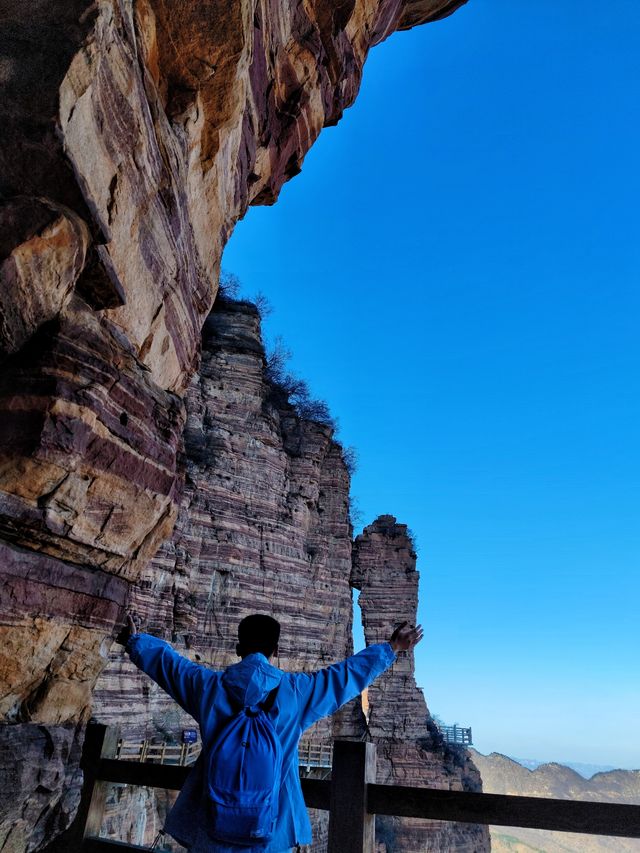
135	134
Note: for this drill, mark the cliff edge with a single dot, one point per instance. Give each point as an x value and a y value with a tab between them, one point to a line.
135	134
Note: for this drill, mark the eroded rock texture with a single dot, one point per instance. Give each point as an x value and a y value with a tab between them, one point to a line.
134	134
279	543
263	527
40	783
409	747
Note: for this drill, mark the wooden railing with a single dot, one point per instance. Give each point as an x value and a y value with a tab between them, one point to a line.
312	754
315	754
351	797
160	753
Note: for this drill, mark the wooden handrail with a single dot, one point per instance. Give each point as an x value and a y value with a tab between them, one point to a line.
590	818
169	776
352	798
351	824
162	752
311	753
317	793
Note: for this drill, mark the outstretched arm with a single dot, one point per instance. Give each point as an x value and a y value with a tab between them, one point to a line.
182	679
323	692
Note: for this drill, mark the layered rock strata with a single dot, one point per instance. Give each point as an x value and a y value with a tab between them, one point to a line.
135	134
263	527
396	718
40	783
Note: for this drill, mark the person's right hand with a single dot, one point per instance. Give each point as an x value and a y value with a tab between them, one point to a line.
405	637
132	627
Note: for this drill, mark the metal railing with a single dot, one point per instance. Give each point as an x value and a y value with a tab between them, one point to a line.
315	754
456	734
351	797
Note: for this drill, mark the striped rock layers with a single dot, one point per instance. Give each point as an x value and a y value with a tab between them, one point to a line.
134	134
263	527
409	747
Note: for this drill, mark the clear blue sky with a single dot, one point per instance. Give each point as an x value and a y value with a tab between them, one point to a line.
456	272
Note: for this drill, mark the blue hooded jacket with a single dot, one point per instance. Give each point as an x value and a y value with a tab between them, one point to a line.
302	699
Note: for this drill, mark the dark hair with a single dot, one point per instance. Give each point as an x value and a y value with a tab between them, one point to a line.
258	633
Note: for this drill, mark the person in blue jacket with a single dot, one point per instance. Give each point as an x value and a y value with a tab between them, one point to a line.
212	698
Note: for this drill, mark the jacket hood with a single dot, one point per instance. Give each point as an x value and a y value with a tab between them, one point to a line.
250	681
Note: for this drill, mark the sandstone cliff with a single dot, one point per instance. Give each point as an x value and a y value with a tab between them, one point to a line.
135	134
502	775
410	749
264	525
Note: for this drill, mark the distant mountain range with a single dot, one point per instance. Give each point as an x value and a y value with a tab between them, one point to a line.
502	775
585	770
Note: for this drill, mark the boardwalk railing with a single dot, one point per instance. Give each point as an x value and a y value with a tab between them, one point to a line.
315	756
312	754
351	797
161	753
457	734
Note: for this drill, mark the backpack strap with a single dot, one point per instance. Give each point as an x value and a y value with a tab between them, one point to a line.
267	705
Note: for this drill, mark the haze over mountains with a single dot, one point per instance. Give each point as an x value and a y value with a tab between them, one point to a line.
502	775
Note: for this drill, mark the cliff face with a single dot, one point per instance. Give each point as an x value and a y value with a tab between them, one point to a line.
410	750
263	522
263	527
135	134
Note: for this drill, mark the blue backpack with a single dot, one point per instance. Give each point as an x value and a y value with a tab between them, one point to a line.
242	778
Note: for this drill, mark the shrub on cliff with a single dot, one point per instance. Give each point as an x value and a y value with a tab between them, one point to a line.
286	389
289	390
229	287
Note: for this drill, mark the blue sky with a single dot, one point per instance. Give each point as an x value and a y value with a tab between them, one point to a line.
456	273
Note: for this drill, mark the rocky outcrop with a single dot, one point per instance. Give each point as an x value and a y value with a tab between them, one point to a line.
502	775
135	134
263	527
40	783
395	715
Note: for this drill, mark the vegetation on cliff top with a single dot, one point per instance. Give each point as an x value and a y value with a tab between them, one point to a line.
287	389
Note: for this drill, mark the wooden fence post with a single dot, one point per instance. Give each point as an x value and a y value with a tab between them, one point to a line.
351	827
104	745
100	741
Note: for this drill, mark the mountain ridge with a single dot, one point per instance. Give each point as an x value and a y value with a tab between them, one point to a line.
504	775
583	768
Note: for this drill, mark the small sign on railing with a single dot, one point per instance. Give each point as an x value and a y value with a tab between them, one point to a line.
189	736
